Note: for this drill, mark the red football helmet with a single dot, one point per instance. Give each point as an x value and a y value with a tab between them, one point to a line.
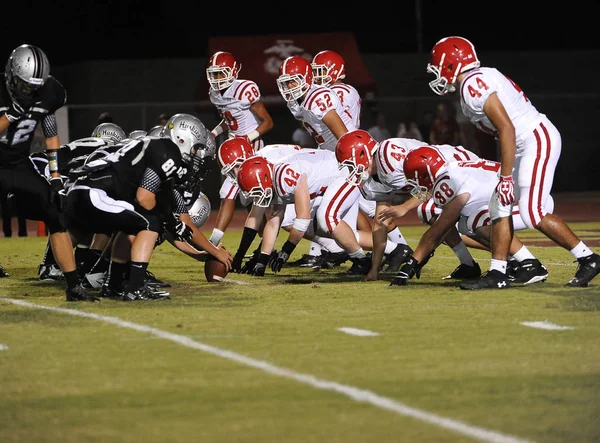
421	168
255	178
222	70
328	67
450	57
354	150
295	70
231	154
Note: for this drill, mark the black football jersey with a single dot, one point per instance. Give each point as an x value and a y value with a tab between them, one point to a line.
121	172
15	143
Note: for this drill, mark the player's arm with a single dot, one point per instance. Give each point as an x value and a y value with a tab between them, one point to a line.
199	239
264	117
380	230
438	230
398	211
302	207
496	113
186	248
219	129
271	229
335	123
4	122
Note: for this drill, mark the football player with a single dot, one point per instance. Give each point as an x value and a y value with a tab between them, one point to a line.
463	190
30	96
530	147
121	193
377	170
242	114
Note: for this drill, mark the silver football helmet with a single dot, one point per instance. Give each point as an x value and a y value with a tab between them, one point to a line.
191	137
109	132
27	69
156	131
136	134
200	210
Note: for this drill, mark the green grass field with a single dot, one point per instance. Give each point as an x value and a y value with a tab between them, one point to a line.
263	359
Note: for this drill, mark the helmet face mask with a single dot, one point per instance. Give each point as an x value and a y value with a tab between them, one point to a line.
27	69
295	78
450	57
222	71
255	179
109	132
327	67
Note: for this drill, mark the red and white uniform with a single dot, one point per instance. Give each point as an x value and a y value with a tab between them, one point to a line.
538	141
478	179
390	157
317	102
234	104
350	99
273	153
332	198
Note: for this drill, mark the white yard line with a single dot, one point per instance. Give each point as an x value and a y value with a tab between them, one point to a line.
357	394
546	325
358	332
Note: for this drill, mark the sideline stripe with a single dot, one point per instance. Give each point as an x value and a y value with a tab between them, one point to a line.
546	325
351	392
359	332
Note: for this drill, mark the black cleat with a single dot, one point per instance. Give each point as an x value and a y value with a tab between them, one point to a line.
360	266
145	293
306	261
588	268
79	293
394	259
107	292
93	281
528	271
3	273
151	280
463	271
490	280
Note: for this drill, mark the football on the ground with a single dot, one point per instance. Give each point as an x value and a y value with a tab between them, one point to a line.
214	270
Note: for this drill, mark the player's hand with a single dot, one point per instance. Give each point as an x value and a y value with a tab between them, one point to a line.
57	194
15	112
280	259
249	265
393	212
261	265
236	264
408	270
506	190
224	256
372	275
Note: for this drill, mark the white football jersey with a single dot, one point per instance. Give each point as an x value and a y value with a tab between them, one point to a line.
479	84
478	178
321	169
234	106
351	101
278	152
391	153
318	101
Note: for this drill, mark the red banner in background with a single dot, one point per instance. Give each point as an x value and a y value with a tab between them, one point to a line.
261	57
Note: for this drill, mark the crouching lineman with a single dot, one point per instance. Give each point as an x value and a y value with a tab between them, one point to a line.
119	193
463	191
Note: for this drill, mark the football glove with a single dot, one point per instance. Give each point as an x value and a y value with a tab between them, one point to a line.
14	112
57	192
506	190
409	269
261	265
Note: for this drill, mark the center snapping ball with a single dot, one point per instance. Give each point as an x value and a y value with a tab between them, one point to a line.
214	270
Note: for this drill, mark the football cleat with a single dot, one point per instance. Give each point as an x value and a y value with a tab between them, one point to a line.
79	293
145	293
50	273
151	280
394	259
588	267
306	261
528	271
108	292
3	273
463	271
490	280
93	281
360	266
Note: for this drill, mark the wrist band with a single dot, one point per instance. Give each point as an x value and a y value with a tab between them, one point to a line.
52	160
253	135
217	130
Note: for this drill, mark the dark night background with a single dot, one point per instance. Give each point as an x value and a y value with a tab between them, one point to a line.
86	30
